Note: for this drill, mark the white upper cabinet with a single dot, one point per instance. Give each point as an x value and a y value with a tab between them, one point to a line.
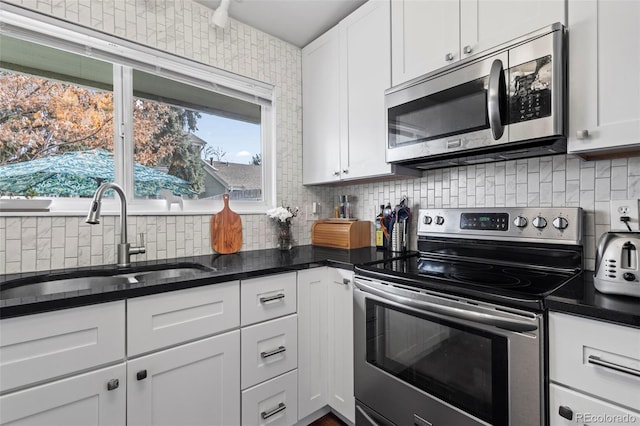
427	35
321	109
604	76
344	75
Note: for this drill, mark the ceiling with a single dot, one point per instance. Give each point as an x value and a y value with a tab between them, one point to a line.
295	21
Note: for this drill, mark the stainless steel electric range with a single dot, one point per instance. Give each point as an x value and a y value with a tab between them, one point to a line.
454	334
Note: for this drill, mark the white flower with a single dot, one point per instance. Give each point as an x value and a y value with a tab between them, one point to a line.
281	214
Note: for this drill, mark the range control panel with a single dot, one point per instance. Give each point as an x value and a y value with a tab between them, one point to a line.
549	225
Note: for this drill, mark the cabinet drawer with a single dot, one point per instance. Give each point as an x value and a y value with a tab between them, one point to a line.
274	402
43	346
598	358
167	319
269	349
585	410
268	297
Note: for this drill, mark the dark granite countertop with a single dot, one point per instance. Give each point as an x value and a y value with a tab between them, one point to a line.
582	298
228	267
577	297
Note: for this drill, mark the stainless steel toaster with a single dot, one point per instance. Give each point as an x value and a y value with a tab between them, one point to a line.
617	264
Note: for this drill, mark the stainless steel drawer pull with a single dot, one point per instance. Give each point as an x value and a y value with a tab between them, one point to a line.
271	298
113	384
273	352
596	360
346	281
273	411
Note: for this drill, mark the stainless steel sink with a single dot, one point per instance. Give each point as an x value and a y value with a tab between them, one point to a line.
97	280
61	286
163	274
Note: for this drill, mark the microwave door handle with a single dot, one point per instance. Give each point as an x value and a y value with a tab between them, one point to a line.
495	91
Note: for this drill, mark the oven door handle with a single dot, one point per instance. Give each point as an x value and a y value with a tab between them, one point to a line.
478	317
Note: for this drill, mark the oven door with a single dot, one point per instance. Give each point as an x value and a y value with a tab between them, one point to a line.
422	358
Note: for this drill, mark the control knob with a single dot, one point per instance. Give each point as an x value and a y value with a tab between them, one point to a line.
520	221
427	220
539	222
439	220
629	276
560	223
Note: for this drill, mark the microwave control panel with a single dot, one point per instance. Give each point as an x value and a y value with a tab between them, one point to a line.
530	90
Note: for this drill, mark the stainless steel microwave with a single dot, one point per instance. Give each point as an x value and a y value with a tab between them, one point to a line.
504	103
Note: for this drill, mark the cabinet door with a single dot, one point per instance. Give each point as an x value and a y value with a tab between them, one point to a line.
424	37
580	409
340	319
604	77
312	340
366	74
488	23
83	400
193	384
321	109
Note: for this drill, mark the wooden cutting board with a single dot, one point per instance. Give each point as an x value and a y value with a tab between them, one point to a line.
226	230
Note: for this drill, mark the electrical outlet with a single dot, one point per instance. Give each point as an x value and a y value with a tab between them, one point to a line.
622	208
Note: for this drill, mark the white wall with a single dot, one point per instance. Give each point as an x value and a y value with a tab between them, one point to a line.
180	27
554	181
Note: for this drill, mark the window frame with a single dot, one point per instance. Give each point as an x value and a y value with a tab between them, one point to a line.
124	56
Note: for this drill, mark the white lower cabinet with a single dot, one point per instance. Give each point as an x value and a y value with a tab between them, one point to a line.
578	408
193	384
312	340
269	349
95	398
325	330
274	402
594	370
340	346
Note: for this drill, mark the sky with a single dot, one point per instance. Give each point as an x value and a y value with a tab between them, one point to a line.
240	140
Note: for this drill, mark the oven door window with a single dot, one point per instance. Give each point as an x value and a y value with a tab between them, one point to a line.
463	366
460	109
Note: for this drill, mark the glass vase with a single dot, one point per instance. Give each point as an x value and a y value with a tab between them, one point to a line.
285	239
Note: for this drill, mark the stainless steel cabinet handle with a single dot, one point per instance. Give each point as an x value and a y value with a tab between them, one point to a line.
467	49
141	375
346	281
596	360
271	298
273	352
113	384
582	134
345	171
275	410
336	173
496	93
448	57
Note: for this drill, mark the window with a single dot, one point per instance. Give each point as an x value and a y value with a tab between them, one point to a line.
109	110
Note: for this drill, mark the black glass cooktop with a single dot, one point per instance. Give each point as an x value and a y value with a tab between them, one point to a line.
492	280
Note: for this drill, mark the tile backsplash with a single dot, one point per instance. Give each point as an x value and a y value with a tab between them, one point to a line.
182	27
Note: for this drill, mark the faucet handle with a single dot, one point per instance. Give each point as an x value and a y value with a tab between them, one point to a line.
138	249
